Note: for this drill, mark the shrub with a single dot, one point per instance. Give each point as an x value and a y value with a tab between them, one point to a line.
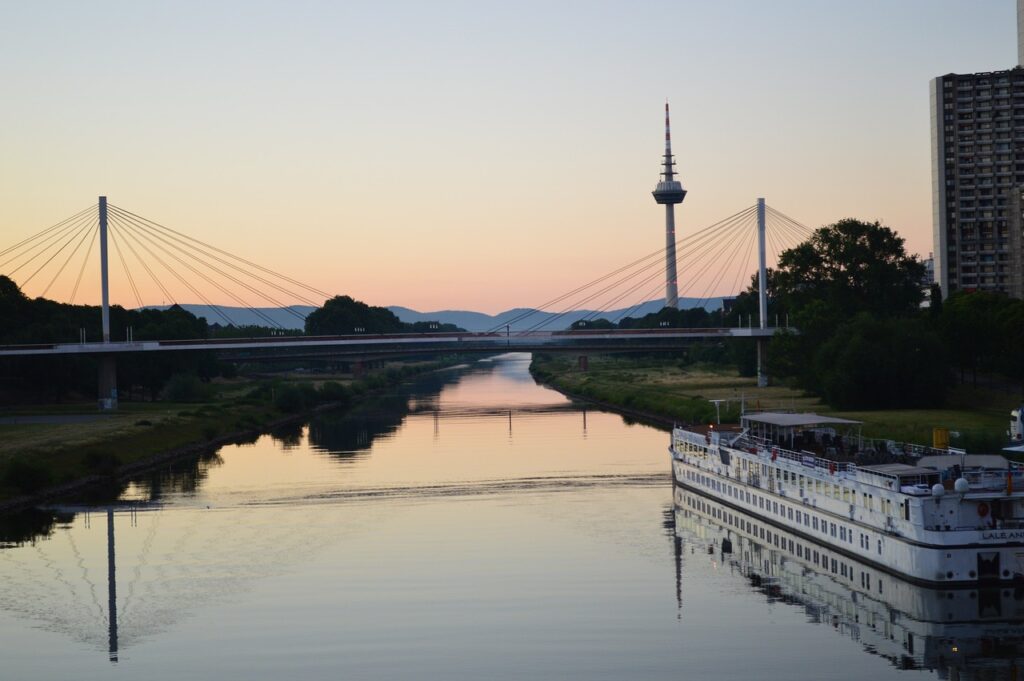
332	391
289	398
101	463
26	476
185	388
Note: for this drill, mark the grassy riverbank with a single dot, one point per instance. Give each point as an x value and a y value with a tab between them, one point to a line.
682	393
46	446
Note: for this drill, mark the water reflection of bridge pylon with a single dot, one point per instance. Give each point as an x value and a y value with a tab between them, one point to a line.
131	511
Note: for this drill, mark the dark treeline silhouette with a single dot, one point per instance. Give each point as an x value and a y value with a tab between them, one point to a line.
25	320
865	340
342	315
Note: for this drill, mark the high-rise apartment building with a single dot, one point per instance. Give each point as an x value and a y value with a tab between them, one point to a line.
977	175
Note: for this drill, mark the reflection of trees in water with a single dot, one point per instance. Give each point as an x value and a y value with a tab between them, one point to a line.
339	433
345	433
181	477
29	525
288	435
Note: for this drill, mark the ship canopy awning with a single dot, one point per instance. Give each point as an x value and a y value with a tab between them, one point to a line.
787	429
805	420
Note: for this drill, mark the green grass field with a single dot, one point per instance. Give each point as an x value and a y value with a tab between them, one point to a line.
682	393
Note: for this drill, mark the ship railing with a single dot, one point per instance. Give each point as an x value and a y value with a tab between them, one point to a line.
765	447
995	480
893	448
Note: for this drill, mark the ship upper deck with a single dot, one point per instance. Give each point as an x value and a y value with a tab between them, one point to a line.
832	445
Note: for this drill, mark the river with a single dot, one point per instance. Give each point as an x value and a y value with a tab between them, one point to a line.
473	525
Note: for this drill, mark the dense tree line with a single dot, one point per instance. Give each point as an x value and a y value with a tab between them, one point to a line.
26	320
343	315
867	338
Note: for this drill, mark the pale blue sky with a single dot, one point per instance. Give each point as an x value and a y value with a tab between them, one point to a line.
472	154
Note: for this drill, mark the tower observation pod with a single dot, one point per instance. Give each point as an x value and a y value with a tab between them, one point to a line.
669	192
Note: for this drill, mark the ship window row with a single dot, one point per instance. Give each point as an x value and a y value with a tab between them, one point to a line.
797	516
691	447
835	490
834	565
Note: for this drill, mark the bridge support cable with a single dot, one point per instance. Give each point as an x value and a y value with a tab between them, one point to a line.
690	254
181	279
787	232
727	250
57	239
186	246
695	242
85	261
67	242
88	233
145	265
722	251
124	266
720	245
251	289
744	245
265	270
165	247
800	227
698	244
659	253
524	315
657	266
154	243
91	210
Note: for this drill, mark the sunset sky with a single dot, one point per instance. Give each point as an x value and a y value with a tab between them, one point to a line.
472	155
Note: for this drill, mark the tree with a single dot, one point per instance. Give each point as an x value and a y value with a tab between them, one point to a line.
852	267
852	291
344	315
971	330
873	363
601	323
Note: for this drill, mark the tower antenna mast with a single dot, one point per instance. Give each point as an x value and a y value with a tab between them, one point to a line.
669	192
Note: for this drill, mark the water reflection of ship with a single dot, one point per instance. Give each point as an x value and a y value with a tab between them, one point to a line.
958	633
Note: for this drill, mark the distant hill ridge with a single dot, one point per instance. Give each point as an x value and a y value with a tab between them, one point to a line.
466	319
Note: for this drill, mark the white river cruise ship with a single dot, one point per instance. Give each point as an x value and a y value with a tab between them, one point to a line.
974	632
934	516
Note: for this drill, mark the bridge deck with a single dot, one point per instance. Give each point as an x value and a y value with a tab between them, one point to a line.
626	339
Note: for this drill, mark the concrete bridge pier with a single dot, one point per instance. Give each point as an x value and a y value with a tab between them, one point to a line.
108	383
583	361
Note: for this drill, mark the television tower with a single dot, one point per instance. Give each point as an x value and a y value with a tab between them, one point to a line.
669	192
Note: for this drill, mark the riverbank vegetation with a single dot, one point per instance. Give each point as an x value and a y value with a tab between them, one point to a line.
42	446
868	348
52	434
682	391
867	339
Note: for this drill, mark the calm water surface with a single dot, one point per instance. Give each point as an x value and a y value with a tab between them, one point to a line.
476	526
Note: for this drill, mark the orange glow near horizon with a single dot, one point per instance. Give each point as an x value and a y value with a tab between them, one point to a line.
470	157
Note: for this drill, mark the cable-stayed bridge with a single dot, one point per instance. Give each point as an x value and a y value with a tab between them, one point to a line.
56	261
